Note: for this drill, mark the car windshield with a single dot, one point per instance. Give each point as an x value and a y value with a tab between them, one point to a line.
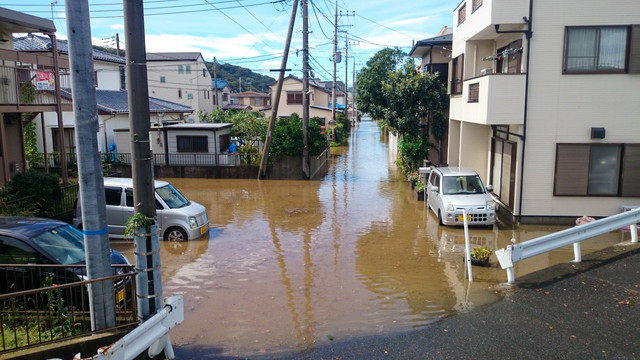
462	185
64	243
172	197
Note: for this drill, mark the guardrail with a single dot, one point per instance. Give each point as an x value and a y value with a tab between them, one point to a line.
517	252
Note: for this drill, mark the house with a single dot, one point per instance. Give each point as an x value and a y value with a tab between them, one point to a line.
109	75
221	90
256	100
201	144
182	78
28	84
544	104
291	99
435	54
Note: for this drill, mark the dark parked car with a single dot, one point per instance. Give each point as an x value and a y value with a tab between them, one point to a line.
36	253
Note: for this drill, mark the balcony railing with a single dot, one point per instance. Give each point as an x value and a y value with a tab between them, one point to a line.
28	79
494	99
55	306
234	159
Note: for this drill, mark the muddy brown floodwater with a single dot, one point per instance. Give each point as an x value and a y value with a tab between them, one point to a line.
289	265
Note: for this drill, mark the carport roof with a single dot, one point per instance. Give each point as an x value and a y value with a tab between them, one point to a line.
117	102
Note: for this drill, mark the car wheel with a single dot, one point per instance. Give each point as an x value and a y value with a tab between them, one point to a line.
175	234
440	218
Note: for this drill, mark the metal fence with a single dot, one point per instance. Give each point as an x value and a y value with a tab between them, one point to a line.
42	304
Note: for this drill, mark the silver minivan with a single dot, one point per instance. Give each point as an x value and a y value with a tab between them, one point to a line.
178	218
452	189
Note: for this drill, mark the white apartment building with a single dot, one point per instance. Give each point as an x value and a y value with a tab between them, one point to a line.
182	78
545	104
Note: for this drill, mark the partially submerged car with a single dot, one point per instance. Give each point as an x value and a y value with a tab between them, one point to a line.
450	190
36	253
178	218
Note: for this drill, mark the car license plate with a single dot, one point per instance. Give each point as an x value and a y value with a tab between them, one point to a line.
203	230
120	296
461	218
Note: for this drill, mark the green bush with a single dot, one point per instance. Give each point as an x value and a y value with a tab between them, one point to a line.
414	149
287	137
42	189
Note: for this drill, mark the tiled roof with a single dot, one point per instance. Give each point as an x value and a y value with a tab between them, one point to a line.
116	102
440	40
35	43
237	107
173	56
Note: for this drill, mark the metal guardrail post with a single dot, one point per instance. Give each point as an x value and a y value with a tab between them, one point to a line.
514	253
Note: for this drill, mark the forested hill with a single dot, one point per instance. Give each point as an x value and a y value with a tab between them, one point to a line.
238	76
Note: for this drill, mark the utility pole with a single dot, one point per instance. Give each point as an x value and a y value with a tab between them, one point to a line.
117	44
147	244
92	199
346	76
215	82
276	100
335	64
305	88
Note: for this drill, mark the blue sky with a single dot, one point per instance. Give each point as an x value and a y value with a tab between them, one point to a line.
252	33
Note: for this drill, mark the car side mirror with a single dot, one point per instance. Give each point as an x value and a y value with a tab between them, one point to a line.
489	188
435	188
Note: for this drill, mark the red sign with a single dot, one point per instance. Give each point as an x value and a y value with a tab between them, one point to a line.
45	81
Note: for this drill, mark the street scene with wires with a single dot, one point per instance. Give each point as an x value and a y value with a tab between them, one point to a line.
318	179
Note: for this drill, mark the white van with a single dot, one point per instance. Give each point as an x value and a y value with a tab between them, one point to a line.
452	189
178	218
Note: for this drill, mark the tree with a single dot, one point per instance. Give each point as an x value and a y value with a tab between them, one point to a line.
411	96
370	95
287	137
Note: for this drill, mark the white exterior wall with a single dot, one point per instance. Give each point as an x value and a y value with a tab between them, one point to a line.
192	84
561	108
566	111
108	75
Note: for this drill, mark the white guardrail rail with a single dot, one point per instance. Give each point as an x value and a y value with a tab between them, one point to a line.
514	253
152	335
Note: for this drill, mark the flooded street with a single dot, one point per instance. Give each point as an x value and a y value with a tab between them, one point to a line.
292	264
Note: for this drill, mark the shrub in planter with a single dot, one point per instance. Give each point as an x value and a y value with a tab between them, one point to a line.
480	255
43	187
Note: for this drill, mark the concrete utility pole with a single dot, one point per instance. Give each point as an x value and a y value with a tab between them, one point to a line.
215	82
117	44
335	64
148	280
305	88
92	199
276	100
346	77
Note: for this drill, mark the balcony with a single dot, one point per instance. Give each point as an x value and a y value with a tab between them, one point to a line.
494	99
27	81
479	24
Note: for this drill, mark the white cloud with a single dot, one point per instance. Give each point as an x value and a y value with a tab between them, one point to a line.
117	27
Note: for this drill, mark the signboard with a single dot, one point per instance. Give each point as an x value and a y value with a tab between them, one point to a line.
45	81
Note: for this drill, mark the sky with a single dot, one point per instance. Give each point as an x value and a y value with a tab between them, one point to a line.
252	33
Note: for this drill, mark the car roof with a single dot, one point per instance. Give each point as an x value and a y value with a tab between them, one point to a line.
456	171
116	181
27	227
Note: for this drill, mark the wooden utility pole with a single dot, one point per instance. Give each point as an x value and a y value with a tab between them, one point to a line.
276	100
305	88
117	44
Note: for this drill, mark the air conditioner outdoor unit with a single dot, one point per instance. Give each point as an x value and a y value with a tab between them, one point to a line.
486	71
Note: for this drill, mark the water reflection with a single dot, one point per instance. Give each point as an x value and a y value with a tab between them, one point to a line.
290	264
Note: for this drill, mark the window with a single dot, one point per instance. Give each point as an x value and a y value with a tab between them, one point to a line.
188	69
474	92
95	78
123	77
476	4
456	76
509	58
163	79
596	49
192	143
180	69
462	14
179	93
189	96
204	73
113	195
597	170
294	98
